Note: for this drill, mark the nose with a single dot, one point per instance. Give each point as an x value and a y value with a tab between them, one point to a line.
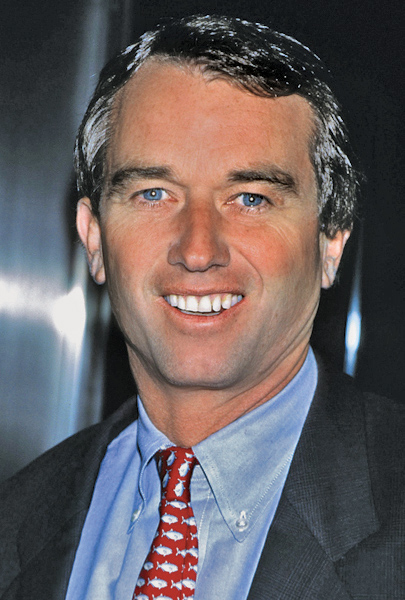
199	243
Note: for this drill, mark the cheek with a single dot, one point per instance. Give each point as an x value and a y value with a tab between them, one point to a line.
285	253
123	267
131	250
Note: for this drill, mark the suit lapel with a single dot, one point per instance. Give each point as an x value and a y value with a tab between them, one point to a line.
293	565
326	506
48	539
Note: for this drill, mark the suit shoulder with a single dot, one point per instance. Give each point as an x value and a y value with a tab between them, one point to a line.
384	409
380	420
382	415
53	488
385	430
23	496
77	456
20	493
385	425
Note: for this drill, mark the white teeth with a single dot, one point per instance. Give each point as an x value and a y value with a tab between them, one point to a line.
227	301
216	303
191	303
204	304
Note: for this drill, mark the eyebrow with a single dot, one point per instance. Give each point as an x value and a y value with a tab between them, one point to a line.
122	177
271	175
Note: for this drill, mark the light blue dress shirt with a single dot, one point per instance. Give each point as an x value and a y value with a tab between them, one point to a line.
235	491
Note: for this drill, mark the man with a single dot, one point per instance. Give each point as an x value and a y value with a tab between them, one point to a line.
217	198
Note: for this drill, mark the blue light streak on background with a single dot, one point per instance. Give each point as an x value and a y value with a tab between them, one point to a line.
354	316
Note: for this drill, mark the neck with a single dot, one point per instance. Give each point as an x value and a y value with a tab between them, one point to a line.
189	415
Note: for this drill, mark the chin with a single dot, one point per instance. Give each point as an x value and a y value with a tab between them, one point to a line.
210	376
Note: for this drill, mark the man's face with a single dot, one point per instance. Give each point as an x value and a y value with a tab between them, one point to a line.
211	200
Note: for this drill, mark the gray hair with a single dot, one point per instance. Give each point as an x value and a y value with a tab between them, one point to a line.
263	61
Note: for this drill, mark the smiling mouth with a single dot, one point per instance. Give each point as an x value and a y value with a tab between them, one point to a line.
212	304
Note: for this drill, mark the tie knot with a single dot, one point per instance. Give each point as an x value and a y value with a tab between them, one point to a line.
176	467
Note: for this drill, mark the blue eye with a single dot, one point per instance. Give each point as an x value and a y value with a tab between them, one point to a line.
153	194
252	199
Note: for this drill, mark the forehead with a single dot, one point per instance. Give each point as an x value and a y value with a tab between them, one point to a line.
176	114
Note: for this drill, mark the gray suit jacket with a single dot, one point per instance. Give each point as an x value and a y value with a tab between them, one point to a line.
338	532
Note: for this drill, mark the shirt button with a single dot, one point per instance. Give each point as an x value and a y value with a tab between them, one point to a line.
242	522
135	515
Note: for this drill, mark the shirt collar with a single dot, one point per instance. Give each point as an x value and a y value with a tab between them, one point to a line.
243	480
149	440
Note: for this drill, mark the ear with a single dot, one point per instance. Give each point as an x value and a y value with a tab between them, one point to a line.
332	250
89	231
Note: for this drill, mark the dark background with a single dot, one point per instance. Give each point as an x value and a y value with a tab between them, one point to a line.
361	43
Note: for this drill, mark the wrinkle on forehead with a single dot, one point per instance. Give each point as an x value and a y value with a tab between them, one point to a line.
149	81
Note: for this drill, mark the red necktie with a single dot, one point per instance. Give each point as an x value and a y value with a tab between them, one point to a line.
170	569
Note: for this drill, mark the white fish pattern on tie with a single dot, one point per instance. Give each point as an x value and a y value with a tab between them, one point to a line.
179	488
169	519
170	569
157	583
178	505
183	470
163	550
173	535
171	459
